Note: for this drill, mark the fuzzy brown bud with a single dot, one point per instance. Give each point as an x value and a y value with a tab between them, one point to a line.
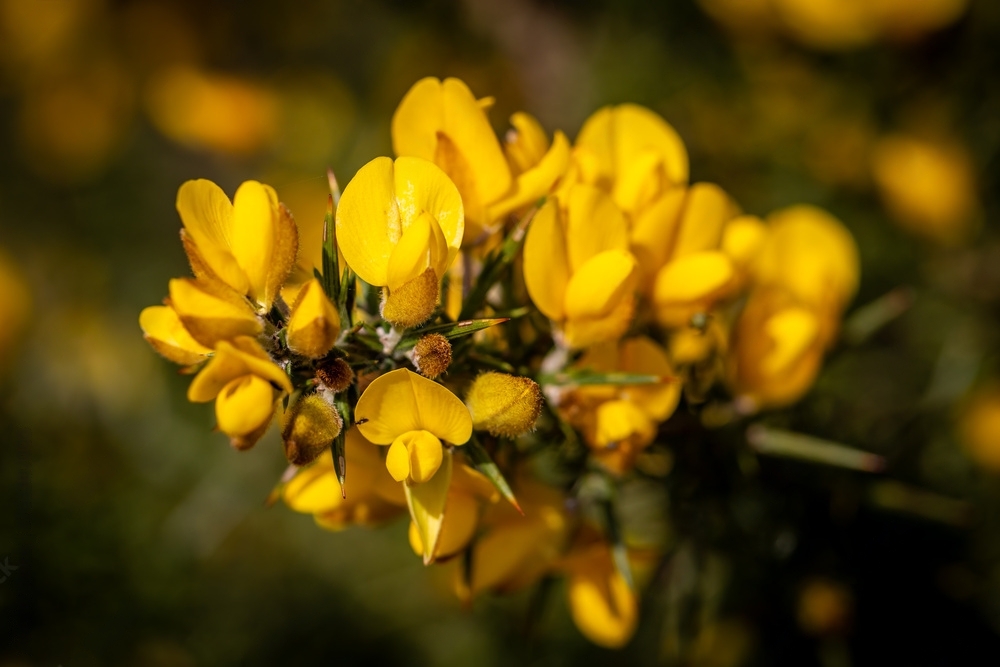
309	427
432	355
504	405
336	375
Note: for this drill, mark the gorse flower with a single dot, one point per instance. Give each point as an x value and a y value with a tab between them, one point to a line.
597	290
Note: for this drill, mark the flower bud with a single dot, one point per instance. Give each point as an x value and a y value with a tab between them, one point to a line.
336	375
504	405
314	323
413	303
310	426
432	355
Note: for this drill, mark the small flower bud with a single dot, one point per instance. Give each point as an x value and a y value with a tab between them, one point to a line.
314	323
432	355
336	375
310	426
412	303
504	405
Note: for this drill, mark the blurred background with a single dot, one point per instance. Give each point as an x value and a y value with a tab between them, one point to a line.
132	535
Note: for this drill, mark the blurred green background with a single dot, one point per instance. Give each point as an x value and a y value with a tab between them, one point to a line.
131	535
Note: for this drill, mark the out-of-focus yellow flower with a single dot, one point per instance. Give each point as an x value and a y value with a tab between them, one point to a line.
413	415
245	384
165	332
619	421
222	113
373	497
505	405
400	226
979	428
928	187
577	266
603	606
468	493
15	303
314	323
837	25
804	276
442	121
824	607
514	550
248	245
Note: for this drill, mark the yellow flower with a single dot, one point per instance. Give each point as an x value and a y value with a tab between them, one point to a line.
619	421
314	323
245	384
928	187
400	226
442	121
601	603
413	415
211	315
248	245
372	496
577	266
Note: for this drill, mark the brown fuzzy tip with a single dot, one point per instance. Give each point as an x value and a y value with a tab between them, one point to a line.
432	355
336	375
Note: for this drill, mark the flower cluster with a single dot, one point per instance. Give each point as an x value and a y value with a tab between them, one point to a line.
497	332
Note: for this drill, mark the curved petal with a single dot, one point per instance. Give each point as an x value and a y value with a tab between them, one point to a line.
653	232
422	187
422	452
546	262
163	330
706	211
526	143
427	503
244	405
254	235
643	355
792	331
603	606
742	239
233	359
209	318
594	224
537	180
692	278
314	323
601	284
469	128
368	225
418	119
401	401
207	216
620	421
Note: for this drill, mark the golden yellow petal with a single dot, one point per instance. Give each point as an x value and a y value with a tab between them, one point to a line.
594	224
424	452
640	181
234	359
163	330
691	284
582	333
244	405
401	401
368	225
546	262
653	232
619	421
461	517
427	503
418	119
743	238
412	254
526	143
421	187
643	355
207	215
603	606
601	284
210	318
284	254
397	460
793	331
706	211
254	234
315	489
314	323
537	181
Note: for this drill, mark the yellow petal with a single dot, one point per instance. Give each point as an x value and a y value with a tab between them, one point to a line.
653	233
418	119
620	421
421	187
706	211
418	453
401	401
601	284
314	323
283	255
461	518
207	215
234	359
582	333
639	182
546	262
742	239
254	235
368	225
412	254
536	181
244	405
603	607
643	355
793	331
526	144
163	330
594	224
210	318
691	284
316	490
427	503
